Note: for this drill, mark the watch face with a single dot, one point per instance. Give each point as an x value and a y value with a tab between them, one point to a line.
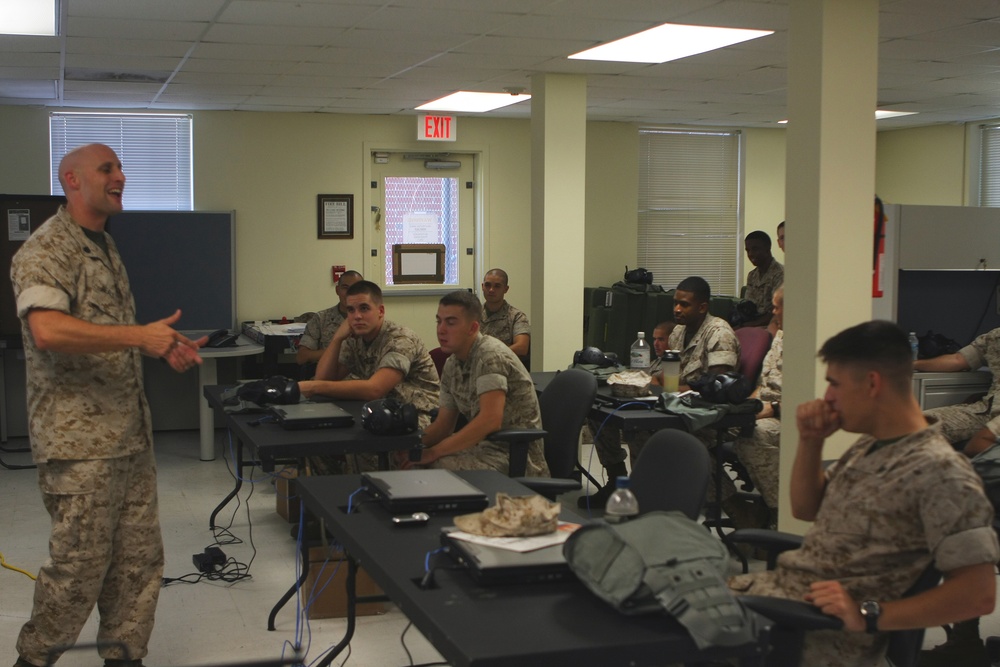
870	610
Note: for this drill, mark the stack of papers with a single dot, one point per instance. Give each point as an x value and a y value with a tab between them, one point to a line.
292	329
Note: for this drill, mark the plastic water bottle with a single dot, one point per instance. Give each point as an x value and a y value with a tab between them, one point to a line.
639	357
622	505
671	366
914	345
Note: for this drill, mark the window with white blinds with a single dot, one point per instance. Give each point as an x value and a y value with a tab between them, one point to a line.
989	166
690	202
155	150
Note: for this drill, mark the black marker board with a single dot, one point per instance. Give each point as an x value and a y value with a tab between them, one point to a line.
180	259
174	259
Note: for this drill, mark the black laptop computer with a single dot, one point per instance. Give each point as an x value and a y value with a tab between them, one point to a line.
423	491
492	565
605	396
297	416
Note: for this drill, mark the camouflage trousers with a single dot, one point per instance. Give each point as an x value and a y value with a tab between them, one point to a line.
821	648
105	549
488	456
960	422
759	455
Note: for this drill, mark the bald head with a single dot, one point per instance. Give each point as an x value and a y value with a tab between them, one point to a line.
92	178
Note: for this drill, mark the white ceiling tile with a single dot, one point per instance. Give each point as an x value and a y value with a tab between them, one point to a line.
596	30
124	47
386	56
27	89
229	33
29	59
108	27
163	10
305	14
29	44
26	73
740	14
455	20
254	52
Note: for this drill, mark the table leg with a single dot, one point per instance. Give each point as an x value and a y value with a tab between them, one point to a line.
238	468
208	374
304	555
352	600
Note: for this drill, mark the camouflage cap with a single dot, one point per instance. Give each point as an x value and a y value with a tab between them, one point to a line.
513	517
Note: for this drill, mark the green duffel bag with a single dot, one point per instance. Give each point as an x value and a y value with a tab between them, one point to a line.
663	561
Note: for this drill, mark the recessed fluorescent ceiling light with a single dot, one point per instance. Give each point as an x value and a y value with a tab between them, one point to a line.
669	41
879	115
882	113
28	17
465	100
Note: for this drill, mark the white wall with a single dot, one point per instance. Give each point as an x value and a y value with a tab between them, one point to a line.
269	167
923	165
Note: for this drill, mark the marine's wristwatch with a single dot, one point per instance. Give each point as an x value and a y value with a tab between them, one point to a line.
871	610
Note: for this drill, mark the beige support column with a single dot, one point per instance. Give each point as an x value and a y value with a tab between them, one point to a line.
829	188
558	171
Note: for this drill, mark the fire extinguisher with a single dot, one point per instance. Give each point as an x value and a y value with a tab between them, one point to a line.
879	247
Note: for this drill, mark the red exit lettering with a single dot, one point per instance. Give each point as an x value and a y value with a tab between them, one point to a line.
441	128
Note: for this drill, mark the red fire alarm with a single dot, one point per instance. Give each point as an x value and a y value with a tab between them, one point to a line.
337	270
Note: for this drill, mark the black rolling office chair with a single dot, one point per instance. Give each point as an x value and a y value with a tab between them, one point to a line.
793	618
672	473
565	404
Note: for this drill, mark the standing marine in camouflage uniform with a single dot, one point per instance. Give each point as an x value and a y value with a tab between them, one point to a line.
322	325
502	320
978	422
898	500
484	381
89	422
371	357
765	278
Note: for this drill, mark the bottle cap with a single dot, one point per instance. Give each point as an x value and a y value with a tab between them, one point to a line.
642	334
621	482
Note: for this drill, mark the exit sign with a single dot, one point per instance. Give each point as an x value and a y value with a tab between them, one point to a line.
436	128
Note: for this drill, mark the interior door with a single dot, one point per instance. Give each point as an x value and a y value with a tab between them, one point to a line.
424	199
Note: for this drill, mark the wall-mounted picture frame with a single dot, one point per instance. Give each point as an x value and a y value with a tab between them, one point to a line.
335	216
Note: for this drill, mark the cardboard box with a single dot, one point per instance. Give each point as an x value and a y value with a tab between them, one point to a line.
286	496
327	586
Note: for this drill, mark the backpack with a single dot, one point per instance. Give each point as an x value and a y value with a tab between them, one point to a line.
662	561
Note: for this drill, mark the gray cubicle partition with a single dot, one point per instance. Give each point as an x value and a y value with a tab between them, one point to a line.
180	259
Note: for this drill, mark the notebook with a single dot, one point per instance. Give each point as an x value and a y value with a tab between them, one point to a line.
311	415
423	491
491	565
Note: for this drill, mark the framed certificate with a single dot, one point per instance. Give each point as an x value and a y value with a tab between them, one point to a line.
335	216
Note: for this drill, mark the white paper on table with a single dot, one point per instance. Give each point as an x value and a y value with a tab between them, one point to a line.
291	329
520	544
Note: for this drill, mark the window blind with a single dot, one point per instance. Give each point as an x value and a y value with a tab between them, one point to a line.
989	167
689	206
155	150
